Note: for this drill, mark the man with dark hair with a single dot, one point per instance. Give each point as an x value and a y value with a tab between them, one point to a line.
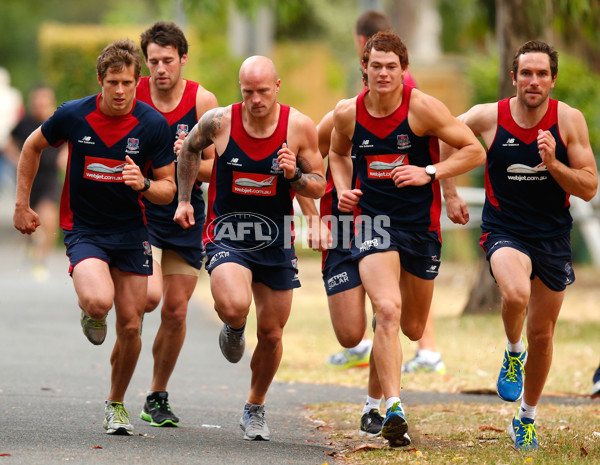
112	141
538	155
393	130
266	152
177	252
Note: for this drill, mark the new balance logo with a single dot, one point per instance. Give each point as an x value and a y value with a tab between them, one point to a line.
86	140
511	142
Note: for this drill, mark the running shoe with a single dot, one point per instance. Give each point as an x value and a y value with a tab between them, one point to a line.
510	380
522	432
395	427
420	364
94	330
116	419
370	424
232	343
596	388
254	424
349	358
158	411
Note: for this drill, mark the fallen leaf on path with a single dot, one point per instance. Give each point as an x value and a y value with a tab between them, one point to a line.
490	428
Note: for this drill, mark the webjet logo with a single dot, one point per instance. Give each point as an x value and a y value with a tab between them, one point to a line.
243	231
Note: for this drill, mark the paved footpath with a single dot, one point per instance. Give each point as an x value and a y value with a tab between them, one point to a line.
53	383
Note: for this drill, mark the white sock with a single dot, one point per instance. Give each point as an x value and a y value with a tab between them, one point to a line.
391	401
517	346
527	411
363	345
371	404
429	356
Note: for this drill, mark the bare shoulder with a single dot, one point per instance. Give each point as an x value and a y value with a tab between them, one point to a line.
205	100
569	117
481	118
345	108
344	116
301	125
427	114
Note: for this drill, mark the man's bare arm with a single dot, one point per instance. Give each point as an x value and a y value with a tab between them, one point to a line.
201	136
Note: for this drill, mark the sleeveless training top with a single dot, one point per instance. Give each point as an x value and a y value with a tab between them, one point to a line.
160	217
249	199
522	197
381	144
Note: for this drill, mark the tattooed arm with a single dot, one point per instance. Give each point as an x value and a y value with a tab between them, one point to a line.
202	135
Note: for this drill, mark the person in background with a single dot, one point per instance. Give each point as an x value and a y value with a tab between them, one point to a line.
595	392
45	191
11	103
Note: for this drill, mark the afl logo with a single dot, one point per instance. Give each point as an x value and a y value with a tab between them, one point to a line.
243	231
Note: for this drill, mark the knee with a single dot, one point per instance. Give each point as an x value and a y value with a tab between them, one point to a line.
270	337
413	330
129	329
174	316
388	312
230	311
96	306
516	298
152	300
348	340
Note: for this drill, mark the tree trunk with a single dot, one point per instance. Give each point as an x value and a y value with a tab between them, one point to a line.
485	295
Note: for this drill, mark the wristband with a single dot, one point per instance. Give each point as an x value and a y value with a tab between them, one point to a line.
297	175
146	185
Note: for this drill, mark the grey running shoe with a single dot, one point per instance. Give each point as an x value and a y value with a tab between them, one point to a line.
370	424
94	330
253	423
116	419
158	411
419	364
232	343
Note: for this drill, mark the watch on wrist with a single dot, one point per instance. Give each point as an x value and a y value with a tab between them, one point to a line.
430	170
146	185
297	175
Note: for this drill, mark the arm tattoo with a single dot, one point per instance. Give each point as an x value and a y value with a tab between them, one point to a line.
201	136
307	177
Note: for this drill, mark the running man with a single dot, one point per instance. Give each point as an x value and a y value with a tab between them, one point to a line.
393	129
112	140
177	252
538	155
266	152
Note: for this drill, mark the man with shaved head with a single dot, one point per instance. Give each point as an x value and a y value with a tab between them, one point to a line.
265	153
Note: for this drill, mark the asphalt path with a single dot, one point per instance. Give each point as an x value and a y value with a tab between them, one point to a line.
53	384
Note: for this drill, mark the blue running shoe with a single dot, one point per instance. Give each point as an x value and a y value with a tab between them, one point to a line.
522	432
596	388
510	380
395	427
